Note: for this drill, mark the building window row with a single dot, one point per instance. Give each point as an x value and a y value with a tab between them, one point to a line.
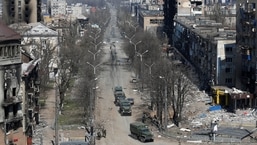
156	21
228	70
228	80
9	51
229	59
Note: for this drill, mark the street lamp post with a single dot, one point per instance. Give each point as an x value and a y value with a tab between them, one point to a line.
131	25
130	38
141	66
92	100
94	66
141	55
97	33
165	104
135	45
96	45
150	68
56	109
94	54
94	38
150	75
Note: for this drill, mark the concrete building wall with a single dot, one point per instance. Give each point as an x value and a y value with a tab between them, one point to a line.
226	68
1	92
205	45
58	7
246	27
15	11
152	22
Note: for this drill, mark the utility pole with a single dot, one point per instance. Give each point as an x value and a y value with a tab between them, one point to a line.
92	102
56	109
151	85
165	104
141	67
5	138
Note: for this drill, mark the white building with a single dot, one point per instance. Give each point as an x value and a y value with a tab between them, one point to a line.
189	7
75	10
58	7
38	38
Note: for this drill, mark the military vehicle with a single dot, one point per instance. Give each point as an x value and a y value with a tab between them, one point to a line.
118	97
141	132
118	94
117	89
125	107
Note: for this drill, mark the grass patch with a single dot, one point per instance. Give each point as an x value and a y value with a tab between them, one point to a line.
72	112
42	102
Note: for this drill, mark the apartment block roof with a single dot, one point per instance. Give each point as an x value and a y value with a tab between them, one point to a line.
152	13
205	27
7	33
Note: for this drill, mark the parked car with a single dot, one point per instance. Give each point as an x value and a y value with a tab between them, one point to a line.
131	100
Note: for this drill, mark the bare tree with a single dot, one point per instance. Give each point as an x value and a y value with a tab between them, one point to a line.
180	85
44	50
69	58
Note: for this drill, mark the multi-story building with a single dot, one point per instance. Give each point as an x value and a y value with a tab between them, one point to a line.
75	10
170	10
40	39
247	43
211	50
210	47
58	7
150	20
189	7
30	82
11	98
16	11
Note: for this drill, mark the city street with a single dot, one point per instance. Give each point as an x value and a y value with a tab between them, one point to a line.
115	71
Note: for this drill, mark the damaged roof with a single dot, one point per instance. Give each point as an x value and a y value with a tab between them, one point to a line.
7	33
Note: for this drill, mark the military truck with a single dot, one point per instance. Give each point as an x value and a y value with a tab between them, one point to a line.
118	94
118	97
125	107
117	89
141	132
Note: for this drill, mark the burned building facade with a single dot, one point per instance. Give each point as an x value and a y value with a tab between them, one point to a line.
16	11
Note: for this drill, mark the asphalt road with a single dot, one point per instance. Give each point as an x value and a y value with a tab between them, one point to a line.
116	71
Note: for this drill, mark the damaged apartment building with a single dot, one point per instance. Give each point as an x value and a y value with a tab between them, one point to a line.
11	115
17	11
222	55
19	89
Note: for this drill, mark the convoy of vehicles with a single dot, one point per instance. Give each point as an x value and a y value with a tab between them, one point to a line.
141	132
119	95
131	100
125	107
137	129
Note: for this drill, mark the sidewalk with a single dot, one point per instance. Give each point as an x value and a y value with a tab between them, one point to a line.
45	130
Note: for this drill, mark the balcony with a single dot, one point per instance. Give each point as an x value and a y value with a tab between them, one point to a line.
14	119
12	100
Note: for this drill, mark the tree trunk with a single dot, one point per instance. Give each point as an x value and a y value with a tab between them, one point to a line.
61	101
